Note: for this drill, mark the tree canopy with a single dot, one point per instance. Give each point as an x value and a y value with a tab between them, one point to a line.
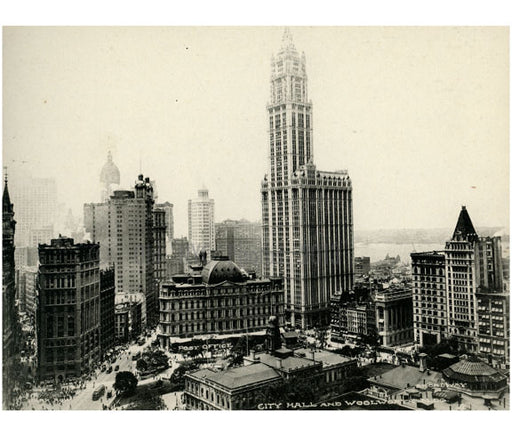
125	383
148	401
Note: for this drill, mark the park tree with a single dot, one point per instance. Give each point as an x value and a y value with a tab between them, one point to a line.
178	375
142	365
148	401
125	383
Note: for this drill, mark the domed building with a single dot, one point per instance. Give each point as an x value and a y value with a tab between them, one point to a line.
222	269
221	300
109	176
475	378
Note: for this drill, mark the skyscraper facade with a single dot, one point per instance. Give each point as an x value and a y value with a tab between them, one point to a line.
124	229
159	246
306	213
107	306
36	206
68	313
175	263
201	227
169	222
460	293
9	310
132	244
429	297
241	242
471	263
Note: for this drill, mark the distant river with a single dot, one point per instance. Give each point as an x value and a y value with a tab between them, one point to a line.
379	251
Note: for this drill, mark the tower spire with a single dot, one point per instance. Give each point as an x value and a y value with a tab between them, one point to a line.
287	38
464	228
6	199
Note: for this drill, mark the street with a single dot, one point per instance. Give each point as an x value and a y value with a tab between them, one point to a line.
82	399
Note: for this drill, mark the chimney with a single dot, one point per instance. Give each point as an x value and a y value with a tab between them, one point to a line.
279	364
311	355
423	362
252	355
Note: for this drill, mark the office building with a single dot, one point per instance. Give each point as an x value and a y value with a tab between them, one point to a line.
306	213
394	312
9	309
124	228
493	314
36	209
175	263
107	308
430	304
26	256
41	235
201	227
461	294
361	266
68	312
97	226
169	222
471	262
351	320
27	289
128	321
241	242
159	244
224	301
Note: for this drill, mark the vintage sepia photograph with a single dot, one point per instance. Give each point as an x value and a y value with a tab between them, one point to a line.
256	218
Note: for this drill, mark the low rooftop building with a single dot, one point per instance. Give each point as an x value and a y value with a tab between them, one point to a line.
475	378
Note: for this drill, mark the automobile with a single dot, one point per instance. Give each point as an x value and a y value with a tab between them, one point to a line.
109	394
109	370
141	341
116	368
136	356
98	392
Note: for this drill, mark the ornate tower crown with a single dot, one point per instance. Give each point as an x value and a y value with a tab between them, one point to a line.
287	39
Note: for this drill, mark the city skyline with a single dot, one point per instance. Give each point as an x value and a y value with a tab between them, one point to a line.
363	128
183	116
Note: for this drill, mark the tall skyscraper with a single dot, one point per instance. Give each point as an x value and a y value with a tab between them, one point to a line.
429	297
36	206
107	306
306	213
9	310
241	242
68	312
169	218
124	228
109	178
169	223
159	245
460	293
201	227
471	262
175	263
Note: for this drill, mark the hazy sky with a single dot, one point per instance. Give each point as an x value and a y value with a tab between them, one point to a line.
418	116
